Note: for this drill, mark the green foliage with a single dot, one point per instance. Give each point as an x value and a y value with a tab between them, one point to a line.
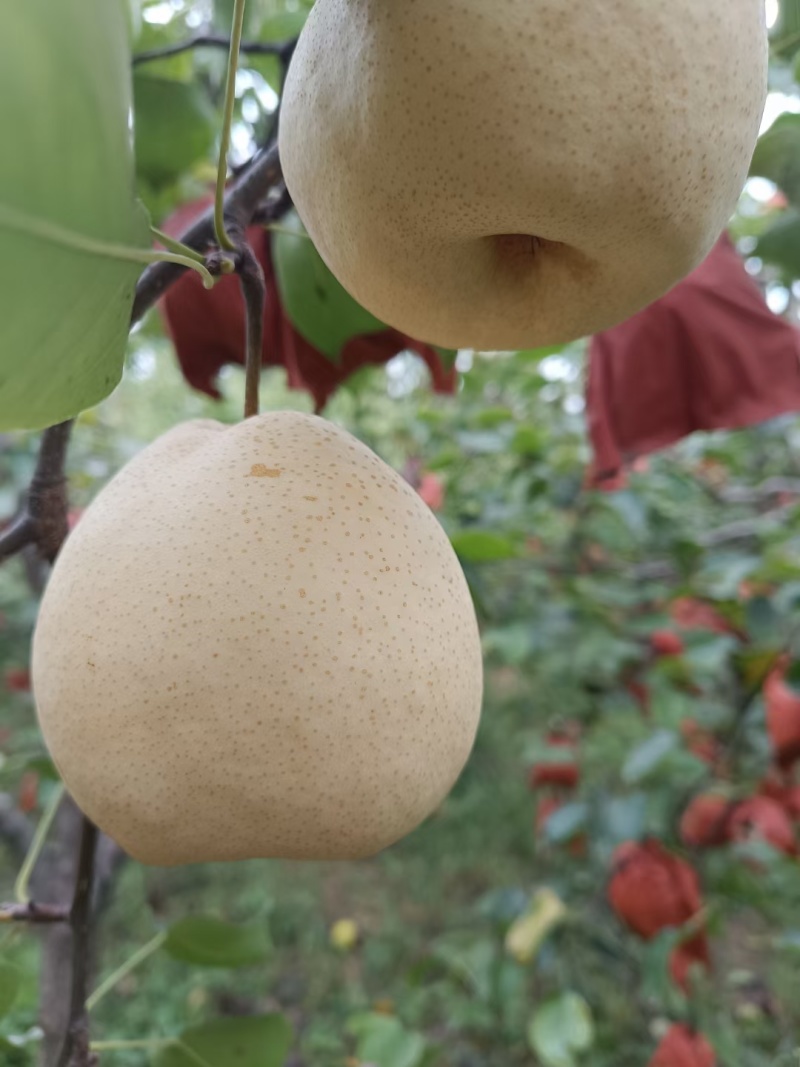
175	127
9	986
258	1041
319	307
777	155
383	1040
569	585
209	942
65	186
561	1029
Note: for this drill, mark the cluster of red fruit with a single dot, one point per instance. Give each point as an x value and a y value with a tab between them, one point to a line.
557	775
713	819
651	889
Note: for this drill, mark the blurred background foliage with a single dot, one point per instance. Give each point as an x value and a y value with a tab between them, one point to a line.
485	938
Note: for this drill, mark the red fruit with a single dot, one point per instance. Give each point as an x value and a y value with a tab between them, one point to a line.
207	328
704	823
652	889
791	802
18	680
787	795
682	1047
545	807
432	491
640	692
666	643
561	769
73	515
783	717
692	614
28	793
566	775
762	817
615	482
700	742
687	955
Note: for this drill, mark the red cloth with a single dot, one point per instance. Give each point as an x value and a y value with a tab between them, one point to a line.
710	355
207	329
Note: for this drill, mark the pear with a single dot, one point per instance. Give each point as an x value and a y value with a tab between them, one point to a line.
257	642
506	174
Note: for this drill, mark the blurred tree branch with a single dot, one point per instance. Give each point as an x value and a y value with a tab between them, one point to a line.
282	50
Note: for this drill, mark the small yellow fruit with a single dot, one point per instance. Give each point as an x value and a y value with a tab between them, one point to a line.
514	173
257	641
527	933
344	934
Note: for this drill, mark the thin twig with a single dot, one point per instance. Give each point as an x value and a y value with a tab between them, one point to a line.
243	198
75	1051
220	229
19	533
254	291
43	519
281	49
109	983
37	844
33	913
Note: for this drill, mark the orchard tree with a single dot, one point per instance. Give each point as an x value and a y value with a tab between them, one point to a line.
260	641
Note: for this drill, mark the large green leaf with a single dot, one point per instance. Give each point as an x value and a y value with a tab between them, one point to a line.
385	1042
780	243
481	546
9	987
320	309
785	34
258	1041
175	127
66	195
212	942
644	758
777	155
560	1029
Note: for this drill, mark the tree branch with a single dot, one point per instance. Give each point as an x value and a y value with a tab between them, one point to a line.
33	913
254	291
280	49
243	199
43	519
75	1051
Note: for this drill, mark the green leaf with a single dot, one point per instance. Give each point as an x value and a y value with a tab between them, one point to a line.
785	34
210	942
624	817
565	822
257	1041
779	244
66	203
319	307
284	25
175	127
479	546
384	1041
44	767
561	1028
648	755
777	155
10	980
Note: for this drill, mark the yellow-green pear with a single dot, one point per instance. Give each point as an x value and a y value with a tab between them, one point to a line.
257	641
514	173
